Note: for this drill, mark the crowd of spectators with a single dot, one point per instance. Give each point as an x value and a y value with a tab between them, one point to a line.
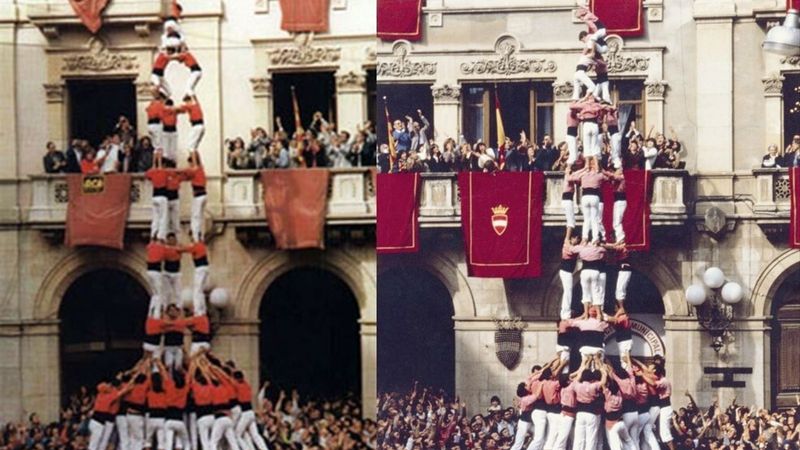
416	153
319	145
790	157
424	419
287	422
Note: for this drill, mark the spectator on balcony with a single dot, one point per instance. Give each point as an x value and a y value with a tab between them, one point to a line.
633	158
401	136
74	157
517	158
362	152
790	155
313	150
772	159
141	159
419	134
126	132
91	162
258	149
238	157
54	160
110	154
384	159
339	150
547	154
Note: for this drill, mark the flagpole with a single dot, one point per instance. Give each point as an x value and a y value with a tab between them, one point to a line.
298	127
392	151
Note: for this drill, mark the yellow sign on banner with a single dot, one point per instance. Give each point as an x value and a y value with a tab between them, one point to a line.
93	184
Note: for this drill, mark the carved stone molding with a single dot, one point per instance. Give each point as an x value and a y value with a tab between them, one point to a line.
402	67
142	30
618	62
563	91
262	86
773	85
655	88
54	92
655	13
144	90
99	59
371	53
508	64
446	93
304	53
791	60
351	82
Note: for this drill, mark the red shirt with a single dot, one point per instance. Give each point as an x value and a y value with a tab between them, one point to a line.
200	324
89	167
157	176
198	250
154	109
171	253
153	326
157	400
104	402
196	175
220	395
138	395
155	252
169	116
173	180
243	392
176	397
202	394
188	60
194	110
161	62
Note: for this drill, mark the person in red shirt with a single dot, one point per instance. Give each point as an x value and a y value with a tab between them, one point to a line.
188	60
155	127
154	328
90	164
201	334
173	339
246	426
169	137
192	107
224	394
174	179
196	174
157	406
177	399
136	402
199	253
202	393
172	270
106	405
155	263
160	220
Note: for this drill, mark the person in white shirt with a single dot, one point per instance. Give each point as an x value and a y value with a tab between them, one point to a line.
772	159
650	153
110	155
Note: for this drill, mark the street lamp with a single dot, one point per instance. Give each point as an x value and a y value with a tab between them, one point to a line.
784	39
713	303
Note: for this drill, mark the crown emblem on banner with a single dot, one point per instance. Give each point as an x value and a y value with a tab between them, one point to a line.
499	219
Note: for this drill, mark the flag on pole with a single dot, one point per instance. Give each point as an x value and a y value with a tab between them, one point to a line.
298	124
390	138
501	131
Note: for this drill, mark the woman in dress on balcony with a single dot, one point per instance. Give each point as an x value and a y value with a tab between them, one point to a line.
772	159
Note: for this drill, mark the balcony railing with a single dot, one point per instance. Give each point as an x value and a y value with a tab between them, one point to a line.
440	203
772	193
351	198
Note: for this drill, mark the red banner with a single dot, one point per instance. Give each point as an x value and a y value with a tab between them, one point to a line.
792	4
400	19
636	221
89	12
97	210
398	227
794	212
501	220
622	17
304	15
295	202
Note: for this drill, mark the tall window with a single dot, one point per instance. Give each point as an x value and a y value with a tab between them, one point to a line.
404	99
628	95
791	106
525	106
372	95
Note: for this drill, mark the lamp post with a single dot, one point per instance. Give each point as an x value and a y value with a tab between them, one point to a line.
713	303
784	39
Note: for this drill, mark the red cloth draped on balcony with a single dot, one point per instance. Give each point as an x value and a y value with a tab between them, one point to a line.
794	212
295	202
97	210
304	15
607	198
398	227
89	12
622	17
792	4
636	221
501	221
400	19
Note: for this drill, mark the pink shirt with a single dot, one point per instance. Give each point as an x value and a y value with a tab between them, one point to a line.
591	179
613	403
617	180
642	393
572	116
587	392
611	116
627	386
568	186
590	324
568	398
590	111
568	251
591	252
664	388
551	392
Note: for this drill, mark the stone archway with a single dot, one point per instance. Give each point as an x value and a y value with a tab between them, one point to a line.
769	280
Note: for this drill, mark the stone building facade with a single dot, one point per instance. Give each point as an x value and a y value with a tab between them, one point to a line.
699	69
240	46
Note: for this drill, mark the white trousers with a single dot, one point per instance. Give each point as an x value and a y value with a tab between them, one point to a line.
601	90
600	227
539	417
572	147
591	139
136	431
191	419
247	432
563	432
160	220
586	429
618	437
172	288
156	282
623	278
195	136
174	216
155	130
599	298
191	83
553	420
121	422
155	425
173	357
523	428
198	296
176	428
169	140
590	209
155	307
99	434
223	428
664	422
619	213
631	421
161	83
616	150
566	295
590	287
198	210
205	425
569	212
578	81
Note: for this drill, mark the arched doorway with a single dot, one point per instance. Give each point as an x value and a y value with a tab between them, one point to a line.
416	339
102	319
785	342
309	334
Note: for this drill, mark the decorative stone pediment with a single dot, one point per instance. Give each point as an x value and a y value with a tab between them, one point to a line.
99	59
773	85
656	88
262	86
303	52
54	92
562	91
351	81
791	60
446	93
508	63
619	61
402	66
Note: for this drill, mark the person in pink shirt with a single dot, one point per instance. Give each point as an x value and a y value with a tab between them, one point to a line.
588	393
528	393
546	385
572	132
627	385
622	334
617	179
569	406
591	334
611	120
616	433
592	256
569	259
568	199
647	419
551	391
591	179
664	391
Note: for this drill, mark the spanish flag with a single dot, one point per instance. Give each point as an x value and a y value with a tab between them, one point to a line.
501	132
389	137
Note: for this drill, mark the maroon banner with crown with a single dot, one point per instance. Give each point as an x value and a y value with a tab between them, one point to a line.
400	19
398	198
97	210
501	220
794	213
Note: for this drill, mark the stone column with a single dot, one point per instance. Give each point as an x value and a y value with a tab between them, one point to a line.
773	110
56	113
351	100
447	111
144	94
237	339
40	369
562	93
654	106
369	367
262	94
